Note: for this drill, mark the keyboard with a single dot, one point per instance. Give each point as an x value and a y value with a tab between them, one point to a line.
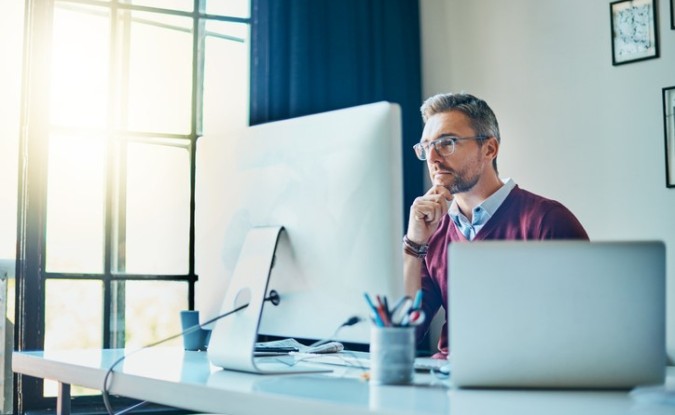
429	363
362	360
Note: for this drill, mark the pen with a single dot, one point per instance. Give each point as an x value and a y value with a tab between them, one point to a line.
401	311
417	317
418	300
399	303
383	311
376	315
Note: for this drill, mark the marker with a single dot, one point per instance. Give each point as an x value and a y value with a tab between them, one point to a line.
382	309
385	307
376	315
399	303
401	312
417	317
384	317
418	300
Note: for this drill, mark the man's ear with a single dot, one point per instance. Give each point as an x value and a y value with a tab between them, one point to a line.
491	147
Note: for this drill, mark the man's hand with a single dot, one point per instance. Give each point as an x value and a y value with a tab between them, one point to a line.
426	213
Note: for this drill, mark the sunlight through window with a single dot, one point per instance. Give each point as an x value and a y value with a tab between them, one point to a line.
132	84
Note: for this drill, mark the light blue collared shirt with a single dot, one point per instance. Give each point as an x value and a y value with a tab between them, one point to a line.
481	213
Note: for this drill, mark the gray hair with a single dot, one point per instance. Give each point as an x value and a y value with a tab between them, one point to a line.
482	118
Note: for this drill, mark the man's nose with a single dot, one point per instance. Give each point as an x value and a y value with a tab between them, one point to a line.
433	156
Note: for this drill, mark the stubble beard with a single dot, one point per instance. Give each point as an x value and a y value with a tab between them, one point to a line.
462	182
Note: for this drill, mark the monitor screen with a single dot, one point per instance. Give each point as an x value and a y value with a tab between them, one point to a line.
334	182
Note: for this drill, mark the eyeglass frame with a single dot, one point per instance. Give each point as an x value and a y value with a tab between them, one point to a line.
426	147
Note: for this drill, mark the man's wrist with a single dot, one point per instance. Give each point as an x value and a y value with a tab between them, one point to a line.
413	248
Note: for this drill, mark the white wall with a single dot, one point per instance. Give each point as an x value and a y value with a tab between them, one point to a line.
574	127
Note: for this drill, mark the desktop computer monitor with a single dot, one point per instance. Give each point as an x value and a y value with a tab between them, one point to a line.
334	182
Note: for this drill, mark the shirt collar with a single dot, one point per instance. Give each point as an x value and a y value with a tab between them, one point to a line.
484	210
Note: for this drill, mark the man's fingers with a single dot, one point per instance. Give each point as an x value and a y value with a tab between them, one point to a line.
426	213
441	191
427	210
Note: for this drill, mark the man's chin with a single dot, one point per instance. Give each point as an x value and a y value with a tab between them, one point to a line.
458	188
444	180
452	188
441	184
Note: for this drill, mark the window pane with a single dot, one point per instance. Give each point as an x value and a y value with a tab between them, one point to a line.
73	320
75	204
158	209
160	74
80	49
73	314
153	311
11	27
11	300
235	8
184	5
51	389
226	79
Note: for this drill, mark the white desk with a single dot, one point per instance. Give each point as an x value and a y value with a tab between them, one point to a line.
186	380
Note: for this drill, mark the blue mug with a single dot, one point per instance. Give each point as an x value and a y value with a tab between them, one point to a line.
196	339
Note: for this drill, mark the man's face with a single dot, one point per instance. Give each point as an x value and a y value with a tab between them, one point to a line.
460	171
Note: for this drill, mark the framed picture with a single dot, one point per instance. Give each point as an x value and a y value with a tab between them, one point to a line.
672	14
634	31
669	133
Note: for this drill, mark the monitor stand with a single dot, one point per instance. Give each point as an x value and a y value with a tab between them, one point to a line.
233	337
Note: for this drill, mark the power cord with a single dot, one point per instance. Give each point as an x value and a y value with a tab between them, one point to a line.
273	297
354	362
349	322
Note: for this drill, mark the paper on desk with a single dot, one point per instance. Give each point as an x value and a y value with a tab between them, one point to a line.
330	347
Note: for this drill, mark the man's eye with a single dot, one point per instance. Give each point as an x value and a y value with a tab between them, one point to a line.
446	142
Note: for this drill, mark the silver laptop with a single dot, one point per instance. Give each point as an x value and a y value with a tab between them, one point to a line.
557	314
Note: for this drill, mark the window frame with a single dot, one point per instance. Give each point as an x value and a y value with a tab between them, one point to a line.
31	275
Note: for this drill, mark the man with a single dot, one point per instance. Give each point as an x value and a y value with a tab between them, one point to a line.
467	201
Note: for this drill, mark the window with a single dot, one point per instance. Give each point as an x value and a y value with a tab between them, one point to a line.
11	27
118	93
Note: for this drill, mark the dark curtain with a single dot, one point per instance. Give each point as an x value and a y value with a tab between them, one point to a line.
310	56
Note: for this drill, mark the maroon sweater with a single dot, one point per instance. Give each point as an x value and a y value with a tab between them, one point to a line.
522	215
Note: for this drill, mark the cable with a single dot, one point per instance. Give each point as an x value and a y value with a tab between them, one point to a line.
273	297
132	407
349	322
107	380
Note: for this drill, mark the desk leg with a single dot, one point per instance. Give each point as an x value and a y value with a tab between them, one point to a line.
63	399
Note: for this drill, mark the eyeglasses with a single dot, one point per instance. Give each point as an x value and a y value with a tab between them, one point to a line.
444	146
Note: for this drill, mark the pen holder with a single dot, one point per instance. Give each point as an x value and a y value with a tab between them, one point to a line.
392	355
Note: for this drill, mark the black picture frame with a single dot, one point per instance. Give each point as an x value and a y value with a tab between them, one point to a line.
672	14
634	31
669	134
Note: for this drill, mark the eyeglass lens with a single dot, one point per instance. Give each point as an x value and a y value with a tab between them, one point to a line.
443	147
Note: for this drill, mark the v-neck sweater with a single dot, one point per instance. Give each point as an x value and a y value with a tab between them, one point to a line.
522	216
